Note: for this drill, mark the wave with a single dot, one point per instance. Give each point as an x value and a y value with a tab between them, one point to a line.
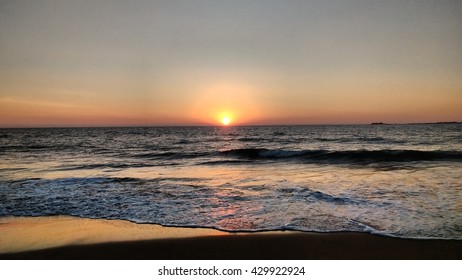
318	196
251	139
360	140
169	155
358	156
223	162
115	166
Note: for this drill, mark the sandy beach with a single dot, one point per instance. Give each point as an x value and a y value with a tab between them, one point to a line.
63	237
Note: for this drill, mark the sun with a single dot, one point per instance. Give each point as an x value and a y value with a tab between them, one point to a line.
225	120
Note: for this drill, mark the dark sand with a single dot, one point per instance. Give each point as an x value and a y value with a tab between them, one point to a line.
273	245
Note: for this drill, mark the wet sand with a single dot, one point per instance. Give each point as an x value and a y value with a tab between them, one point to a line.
76	238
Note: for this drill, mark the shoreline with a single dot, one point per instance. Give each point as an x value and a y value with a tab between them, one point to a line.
64	237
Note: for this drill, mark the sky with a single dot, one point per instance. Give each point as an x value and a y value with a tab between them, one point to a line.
124	63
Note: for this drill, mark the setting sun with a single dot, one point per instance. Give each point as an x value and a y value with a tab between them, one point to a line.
225	120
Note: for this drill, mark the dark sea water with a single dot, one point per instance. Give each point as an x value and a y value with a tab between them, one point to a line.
399	180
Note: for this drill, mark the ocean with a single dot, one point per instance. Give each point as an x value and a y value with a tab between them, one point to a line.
394	180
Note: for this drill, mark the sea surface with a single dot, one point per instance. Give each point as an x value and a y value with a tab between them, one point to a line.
396	180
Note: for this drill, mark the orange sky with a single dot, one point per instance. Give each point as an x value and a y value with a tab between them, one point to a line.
260	62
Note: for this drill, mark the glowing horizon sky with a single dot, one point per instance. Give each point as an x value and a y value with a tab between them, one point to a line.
109	63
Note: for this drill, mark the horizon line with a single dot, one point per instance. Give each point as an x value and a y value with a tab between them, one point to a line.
218	125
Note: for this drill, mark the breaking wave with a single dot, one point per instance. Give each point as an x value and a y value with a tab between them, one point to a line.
360	156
